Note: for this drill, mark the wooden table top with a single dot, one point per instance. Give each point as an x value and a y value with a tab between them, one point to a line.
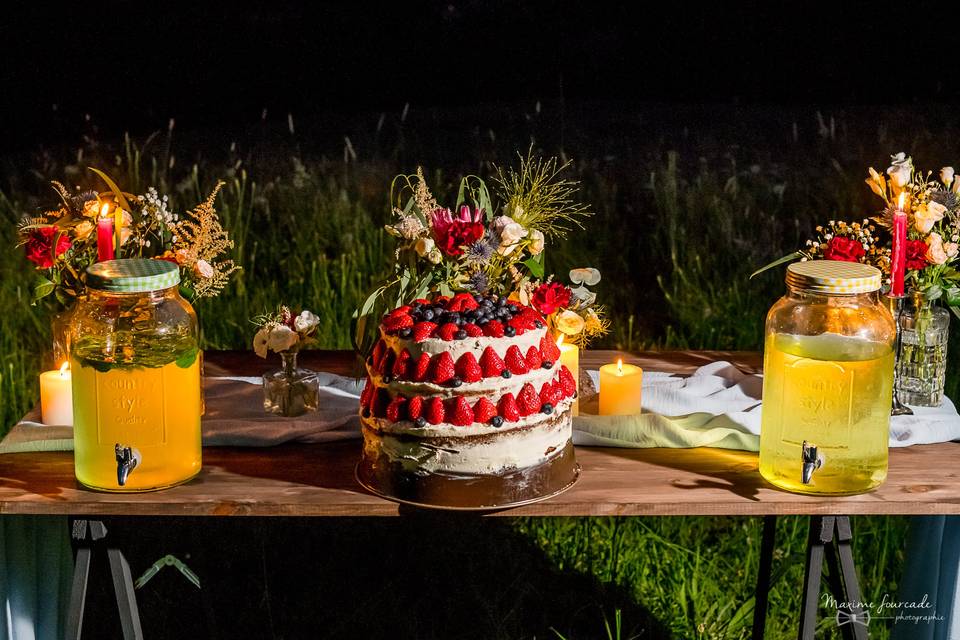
317	480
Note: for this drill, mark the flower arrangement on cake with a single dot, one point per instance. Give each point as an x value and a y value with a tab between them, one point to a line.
91	226
467	403
491	244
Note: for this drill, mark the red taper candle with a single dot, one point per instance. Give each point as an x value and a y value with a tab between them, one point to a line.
898	253
104	235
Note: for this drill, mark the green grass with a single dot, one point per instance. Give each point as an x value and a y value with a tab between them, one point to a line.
678	229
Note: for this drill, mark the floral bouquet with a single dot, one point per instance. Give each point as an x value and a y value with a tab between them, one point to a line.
284	332
63	242
288	391
932	242
933	214
488	243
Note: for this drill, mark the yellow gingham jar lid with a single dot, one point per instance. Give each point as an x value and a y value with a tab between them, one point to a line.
833	277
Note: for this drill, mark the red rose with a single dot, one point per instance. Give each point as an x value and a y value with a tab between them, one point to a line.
844	249
39	246
916	255
452	234
548	297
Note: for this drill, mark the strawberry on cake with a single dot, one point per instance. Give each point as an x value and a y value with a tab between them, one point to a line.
466	404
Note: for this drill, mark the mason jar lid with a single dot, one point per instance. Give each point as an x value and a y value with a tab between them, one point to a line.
833	277
133	275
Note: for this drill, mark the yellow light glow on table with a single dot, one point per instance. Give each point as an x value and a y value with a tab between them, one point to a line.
620	389
56	398
570	357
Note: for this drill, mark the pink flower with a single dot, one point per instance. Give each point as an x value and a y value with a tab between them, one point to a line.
452	234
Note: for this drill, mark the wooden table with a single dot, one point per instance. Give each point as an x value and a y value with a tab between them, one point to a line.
317	480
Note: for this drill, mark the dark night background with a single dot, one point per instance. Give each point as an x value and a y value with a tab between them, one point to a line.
131	66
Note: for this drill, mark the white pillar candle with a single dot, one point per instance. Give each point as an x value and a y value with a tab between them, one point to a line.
570	357
620	389
56	398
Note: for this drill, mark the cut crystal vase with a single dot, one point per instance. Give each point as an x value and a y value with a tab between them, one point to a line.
922	361
290	391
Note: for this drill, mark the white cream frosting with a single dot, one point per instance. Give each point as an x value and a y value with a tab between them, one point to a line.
517	449
456	348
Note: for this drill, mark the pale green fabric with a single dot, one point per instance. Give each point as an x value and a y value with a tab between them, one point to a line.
653	430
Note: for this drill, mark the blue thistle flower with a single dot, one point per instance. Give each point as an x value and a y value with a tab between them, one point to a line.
480	251
478	282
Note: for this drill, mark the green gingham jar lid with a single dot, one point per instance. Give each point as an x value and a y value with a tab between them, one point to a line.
133	275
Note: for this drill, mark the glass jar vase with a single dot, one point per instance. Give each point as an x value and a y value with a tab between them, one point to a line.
828	381
290	391
135	364
922	361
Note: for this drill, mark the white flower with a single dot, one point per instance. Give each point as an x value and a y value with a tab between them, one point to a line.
281	338
260	342
510	235
203	269
585	275
946	176
951	249
305	322
928	214
569	322
581	297
900	170
435	256
536	242
935	249
424	246
408	228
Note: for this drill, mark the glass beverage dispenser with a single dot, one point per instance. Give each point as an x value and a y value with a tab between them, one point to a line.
828	381
135	365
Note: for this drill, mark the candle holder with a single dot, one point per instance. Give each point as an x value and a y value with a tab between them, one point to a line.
896	308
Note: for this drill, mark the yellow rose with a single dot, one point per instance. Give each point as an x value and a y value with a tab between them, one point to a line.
927	215
82	230
569	322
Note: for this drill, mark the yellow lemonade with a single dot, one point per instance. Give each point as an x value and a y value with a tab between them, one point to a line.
153	407
834	393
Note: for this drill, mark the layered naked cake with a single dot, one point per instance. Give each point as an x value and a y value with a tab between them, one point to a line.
466	405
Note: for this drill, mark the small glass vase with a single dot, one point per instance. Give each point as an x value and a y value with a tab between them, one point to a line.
922	361
290	391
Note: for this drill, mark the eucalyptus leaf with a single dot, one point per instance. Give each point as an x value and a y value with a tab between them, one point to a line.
187	358
121	199
535	267
933	292
952	295
796	255
42	289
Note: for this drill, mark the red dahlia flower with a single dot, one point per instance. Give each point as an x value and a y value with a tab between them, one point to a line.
916	255
844	249
549	297
39	246
452	234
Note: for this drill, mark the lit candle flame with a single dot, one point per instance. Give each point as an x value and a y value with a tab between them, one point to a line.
64	368
619	366
560	340
105	209
901	201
